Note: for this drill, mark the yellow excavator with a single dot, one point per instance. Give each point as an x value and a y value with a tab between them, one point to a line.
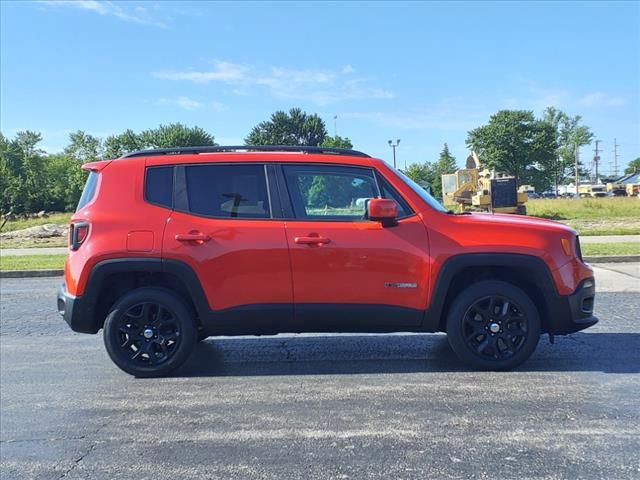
471	188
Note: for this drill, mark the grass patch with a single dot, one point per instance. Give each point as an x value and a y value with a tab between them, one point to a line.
584	208
21	223
591	216
32	262
626	248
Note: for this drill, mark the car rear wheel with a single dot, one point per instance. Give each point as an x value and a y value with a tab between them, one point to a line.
493	325
149	332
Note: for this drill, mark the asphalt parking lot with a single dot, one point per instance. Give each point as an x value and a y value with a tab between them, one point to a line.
320	406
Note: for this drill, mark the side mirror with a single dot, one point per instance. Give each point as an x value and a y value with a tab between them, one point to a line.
382	210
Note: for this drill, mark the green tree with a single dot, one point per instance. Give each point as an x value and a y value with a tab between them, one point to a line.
422	173
176	135
445	164
83	147
165	136
65	181
24	170
514	142
66	177
634	166
569	135
116	146
293	128
337	142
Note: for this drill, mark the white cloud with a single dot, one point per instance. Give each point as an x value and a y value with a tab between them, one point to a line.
185	103
453	113
600	99
136	14
218	107
223	72
537	99
318	86
190	104
532	96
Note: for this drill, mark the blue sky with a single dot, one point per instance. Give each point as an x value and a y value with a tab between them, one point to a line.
425	73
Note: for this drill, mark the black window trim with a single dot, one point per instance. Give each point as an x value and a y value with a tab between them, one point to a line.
285	195
173	192
181	203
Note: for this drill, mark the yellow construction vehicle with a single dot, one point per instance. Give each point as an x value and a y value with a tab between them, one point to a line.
474	189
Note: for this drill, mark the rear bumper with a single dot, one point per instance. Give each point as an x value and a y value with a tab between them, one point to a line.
575	311
76	311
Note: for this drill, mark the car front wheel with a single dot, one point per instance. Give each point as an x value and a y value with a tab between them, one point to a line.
493	325
149	332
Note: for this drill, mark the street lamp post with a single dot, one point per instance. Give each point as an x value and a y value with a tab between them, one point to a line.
393	146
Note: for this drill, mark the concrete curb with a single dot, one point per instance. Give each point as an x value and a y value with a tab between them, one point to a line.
59	273
30	273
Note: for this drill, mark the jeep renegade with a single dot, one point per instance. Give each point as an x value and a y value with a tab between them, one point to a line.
170	246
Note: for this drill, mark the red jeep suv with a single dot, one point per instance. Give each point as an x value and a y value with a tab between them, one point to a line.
170	246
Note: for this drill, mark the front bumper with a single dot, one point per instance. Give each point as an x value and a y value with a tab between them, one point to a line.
576	309
76	311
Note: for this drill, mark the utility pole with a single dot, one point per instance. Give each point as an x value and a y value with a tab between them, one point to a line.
335	126
557	174
393	146
615	158
577	169
596	160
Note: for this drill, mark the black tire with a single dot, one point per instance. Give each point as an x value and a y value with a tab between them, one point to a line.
493	336
149	332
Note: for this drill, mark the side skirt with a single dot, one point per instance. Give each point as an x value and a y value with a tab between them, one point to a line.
270	319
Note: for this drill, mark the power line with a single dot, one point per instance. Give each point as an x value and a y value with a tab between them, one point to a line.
615	157
596	160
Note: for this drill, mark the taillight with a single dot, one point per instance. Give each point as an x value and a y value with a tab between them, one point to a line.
78	233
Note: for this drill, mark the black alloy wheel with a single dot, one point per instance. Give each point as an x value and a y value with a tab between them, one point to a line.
149	332
493	325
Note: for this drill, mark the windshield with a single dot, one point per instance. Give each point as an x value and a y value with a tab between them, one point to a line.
426	196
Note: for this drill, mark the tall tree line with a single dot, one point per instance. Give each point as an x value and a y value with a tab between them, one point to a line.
32	180
537	151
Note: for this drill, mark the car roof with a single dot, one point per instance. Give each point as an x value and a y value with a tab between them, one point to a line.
282	154
246	148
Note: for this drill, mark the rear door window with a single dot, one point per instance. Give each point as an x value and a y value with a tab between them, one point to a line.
227	191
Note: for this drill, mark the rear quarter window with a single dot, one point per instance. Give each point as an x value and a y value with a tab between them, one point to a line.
158	186
89	190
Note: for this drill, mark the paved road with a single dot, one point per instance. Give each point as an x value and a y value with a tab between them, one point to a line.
63	250
319	406
610	239
19	252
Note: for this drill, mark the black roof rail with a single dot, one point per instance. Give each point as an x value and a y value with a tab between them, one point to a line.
246	148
